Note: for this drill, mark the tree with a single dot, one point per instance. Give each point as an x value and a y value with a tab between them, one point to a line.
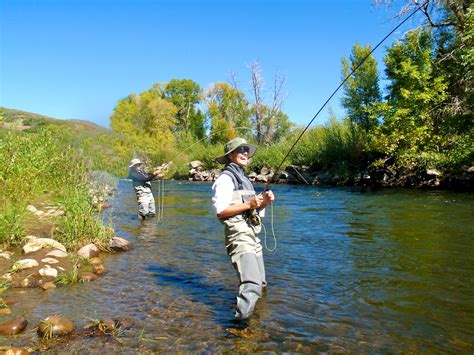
361	90
414	90
185	94
147	120
270	122
229	112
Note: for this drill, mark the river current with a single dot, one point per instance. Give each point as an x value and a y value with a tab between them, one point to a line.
353	271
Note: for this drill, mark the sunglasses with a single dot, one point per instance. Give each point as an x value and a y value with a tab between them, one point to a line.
242	149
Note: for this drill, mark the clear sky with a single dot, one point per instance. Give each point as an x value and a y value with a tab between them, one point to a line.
78	58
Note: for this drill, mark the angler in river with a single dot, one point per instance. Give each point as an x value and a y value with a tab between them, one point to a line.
240	210
142	186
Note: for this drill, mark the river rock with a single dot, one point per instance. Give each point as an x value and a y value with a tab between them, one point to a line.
195	164
13	326
119	244
35	244
57	254
87	276
6	254
88	251
49	261
25	264
98	269
48	286
48	271
95	261
15	351
55	326
31	208
5	310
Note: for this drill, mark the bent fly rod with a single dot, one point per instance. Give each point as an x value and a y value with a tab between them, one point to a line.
272	179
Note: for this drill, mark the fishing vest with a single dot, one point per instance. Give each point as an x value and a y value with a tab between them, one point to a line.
243	191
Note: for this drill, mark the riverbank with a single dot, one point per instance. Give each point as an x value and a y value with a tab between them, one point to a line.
342	175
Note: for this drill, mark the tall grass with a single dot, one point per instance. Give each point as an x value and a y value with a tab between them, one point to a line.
41	164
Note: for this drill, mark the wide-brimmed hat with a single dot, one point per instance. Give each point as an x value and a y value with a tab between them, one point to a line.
134	162
233	145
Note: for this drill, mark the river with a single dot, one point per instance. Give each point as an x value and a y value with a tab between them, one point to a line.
377	271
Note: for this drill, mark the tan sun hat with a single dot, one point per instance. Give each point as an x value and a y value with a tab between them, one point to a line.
134	162
233	145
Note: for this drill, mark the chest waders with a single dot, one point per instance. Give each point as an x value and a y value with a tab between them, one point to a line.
243	246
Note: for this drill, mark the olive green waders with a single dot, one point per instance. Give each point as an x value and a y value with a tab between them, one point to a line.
244	248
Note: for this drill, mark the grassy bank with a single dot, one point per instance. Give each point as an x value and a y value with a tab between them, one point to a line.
40	168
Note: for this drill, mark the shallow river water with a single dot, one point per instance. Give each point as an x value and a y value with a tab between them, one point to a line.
378	271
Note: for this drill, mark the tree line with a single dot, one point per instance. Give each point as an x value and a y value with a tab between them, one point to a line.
422	118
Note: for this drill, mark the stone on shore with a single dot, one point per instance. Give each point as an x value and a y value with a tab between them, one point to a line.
48	271
35	244
57	253
88	251
25	264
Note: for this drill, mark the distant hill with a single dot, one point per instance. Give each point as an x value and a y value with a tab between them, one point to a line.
22	120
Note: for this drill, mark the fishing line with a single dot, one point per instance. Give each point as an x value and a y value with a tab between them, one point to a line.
337	89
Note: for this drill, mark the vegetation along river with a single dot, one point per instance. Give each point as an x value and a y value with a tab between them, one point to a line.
377	271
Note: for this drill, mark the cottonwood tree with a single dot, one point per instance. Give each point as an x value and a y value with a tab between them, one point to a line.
228	111
270	121
185	94
361	90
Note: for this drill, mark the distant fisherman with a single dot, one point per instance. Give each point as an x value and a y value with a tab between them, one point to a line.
238	209
142	185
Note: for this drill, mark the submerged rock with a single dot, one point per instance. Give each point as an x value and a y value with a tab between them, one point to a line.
87	276
13	326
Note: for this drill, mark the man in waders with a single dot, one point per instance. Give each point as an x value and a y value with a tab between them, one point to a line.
142	186
239	209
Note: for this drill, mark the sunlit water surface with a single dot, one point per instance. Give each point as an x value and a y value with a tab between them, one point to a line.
377	271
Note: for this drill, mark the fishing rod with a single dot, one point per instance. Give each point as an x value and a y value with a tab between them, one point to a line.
272	179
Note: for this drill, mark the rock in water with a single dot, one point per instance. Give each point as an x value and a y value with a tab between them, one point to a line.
13	326
55	326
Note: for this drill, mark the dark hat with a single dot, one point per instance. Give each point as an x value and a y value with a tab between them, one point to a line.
233	145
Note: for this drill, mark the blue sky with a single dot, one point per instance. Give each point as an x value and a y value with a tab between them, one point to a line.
78	58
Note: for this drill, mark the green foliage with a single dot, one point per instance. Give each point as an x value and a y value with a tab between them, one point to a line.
414	90
185	94
229	113
361	90
147	121
40	163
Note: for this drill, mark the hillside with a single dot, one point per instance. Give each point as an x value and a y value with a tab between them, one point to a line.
102	148
21	120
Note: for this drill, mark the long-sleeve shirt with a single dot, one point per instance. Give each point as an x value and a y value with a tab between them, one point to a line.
140	178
